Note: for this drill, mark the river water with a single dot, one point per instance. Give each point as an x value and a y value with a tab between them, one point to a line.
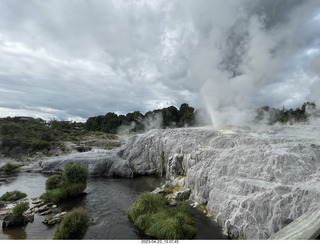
107	202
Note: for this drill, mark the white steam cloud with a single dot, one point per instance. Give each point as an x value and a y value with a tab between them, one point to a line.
248	53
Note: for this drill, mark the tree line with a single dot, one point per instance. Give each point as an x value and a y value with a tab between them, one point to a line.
169	117
272	115
185	116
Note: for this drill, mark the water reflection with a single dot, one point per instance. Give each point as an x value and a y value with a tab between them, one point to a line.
15	234
106	200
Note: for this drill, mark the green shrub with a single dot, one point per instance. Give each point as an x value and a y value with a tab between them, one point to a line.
53	182
75	173
71	183
13	196
10	167
56	210
75	189
20	208
151	213
55	195
62	193
146	203
73	226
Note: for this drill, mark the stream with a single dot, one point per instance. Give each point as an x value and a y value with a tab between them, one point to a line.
107	202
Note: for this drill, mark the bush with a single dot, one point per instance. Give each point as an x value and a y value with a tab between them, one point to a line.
62	193
53	182
151	213
73	226
75	173
10	167
72	182
146	203
13	196
55	195
20	208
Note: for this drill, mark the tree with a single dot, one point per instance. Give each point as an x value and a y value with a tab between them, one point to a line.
110	123
170	116
186	115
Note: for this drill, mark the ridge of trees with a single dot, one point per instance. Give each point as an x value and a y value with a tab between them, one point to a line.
169	117
287	116
21	136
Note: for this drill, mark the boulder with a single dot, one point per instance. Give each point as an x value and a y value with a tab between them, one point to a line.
11	220
46	212
182	195
55	219
43	208
83	148
37	201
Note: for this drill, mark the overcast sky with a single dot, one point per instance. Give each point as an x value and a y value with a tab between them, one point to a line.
72	59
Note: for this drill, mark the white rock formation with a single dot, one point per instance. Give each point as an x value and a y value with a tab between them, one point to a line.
253	181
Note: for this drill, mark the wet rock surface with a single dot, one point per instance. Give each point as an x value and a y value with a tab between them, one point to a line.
252	181
99	163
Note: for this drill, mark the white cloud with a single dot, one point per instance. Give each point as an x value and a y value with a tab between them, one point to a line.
83	58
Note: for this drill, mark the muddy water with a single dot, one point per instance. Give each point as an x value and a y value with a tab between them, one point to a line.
107	202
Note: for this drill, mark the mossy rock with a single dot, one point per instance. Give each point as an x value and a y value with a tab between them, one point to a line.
13	196
10	167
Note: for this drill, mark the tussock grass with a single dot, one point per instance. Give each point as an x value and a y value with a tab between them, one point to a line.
13	196
71	183
62	193
73	226
20	208
151	213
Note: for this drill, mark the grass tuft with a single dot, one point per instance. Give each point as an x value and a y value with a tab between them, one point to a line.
73	226
13	196
151	213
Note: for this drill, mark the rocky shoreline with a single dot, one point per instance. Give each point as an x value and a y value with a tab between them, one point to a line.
42	208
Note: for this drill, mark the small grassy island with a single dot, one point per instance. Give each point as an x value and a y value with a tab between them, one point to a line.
72	182
13	196
152	214
73	226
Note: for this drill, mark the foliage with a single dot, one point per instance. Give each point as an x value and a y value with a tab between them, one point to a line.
73	226
53	182
13	196
75	173
10	167
284	116
169	117
22	135
20	208
71	183
151	213
25	136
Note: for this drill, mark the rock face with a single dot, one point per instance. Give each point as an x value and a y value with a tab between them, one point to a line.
102	163
253	182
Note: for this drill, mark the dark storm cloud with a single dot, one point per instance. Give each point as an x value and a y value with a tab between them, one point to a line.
75	59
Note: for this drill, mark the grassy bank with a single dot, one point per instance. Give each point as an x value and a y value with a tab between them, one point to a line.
152	214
